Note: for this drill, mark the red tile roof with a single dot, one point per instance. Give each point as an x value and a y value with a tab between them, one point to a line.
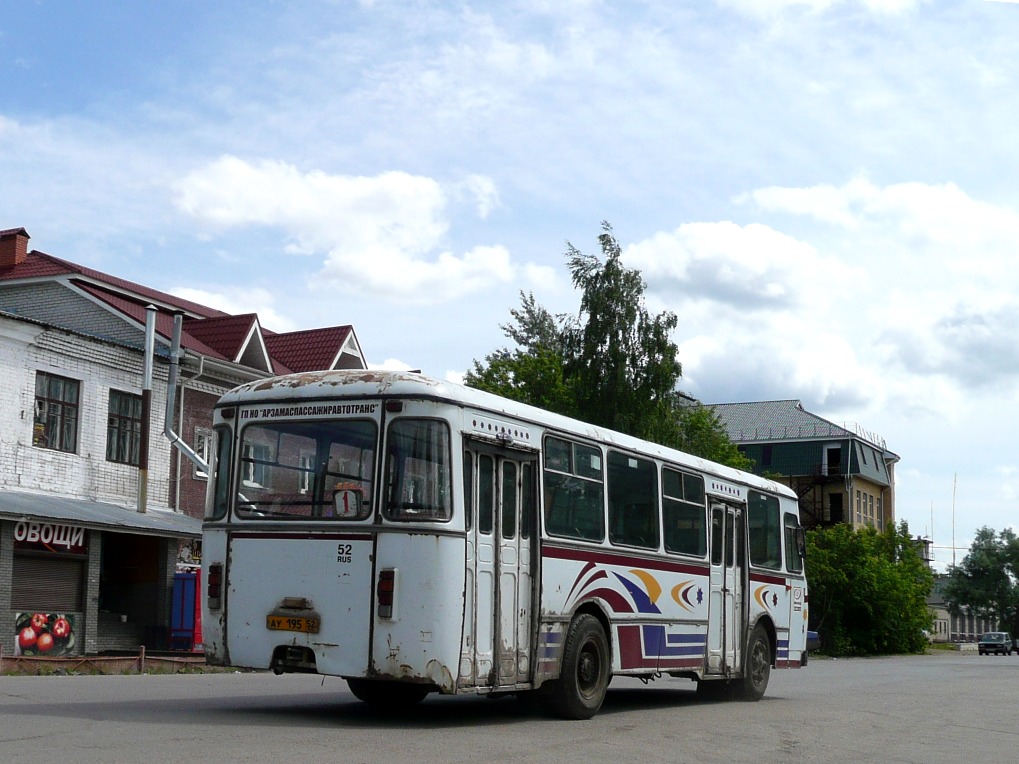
308	350
205	331
40	265
226	334
135	310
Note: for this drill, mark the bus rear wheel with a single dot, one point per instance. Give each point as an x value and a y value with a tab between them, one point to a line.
584	678
384	694
757	670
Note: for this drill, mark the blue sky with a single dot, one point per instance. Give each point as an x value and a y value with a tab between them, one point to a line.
822	190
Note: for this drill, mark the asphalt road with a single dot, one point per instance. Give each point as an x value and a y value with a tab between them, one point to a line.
944	707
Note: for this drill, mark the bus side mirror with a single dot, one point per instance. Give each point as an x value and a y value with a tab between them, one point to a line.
801	542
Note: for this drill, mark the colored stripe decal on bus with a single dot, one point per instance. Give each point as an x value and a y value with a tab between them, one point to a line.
644	590
642	599
782	649
767	597
550	644
649	646
582	573
555	552
761	578
616	602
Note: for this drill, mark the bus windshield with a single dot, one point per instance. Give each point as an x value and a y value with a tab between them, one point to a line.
294	470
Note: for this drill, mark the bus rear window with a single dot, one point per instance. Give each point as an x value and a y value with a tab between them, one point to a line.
320	470
417	471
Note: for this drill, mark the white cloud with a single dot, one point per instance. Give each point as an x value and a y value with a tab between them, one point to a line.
483	191
928	306
455	376
389	272
238	301
391	364
767	8
544	276
402	210
891	7
914	232
744	267
773	7
377	233
751	298
825	203
901	295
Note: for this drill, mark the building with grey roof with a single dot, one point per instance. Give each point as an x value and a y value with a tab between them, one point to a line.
841	474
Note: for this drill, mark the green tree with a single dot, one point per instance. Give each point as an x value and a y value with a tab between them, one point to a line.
622	359
612	365
534	371
537	378
984	583
703	434
868	590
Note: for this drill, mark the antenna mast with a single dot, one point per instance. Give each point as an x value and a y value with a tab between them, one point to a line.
955	480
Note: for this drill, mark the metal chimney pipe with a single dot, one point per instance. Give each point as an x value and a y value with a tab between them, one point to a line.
171	395
143	445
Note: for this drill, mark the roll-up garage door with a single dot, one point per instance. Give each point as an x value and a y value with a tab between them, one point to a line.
45	584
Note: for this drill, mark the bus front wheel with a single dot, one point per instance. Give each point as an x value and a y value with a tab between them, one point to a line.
384	694
584	677
757	670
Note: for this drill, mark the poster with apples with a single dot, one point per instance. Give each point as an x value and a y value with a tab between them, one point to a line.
44	634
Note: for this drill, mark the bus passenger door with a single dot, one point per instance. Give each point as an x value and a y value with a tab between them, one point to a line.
725	590
501	571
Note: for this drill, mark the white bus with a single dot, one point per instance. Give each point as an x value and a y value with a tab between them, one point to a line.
413	535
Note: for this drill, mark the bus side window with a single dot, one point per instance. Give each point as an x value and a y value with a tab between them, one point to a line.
765	530
717	541
793	560
683	513
486	493
633	495
468	489
574	497
526	499
418	474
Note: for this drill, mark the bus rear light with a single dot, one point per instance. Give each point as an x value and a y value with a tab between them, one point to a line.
386	593
214	586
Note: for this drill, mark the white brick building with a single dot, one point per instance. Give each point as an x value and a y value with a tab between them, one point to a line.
100	516
50	497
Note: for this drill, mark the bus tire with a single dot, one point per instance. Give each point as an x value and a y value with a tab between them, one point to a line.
387	695
757	670
586	670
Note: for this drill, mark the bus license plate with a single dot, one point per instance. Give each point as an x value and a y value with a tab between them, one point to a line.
292	623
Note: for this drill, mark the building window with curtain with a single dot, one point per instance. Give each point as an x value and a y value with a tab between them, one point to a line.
56	412
124	428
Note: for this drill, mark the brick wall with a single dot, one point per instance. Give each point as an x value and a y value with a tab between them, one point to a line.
92	571
99	367
197	414
7	634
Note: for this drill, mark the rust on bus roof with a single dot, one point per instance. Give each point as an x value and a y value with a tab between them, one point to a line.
338	378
